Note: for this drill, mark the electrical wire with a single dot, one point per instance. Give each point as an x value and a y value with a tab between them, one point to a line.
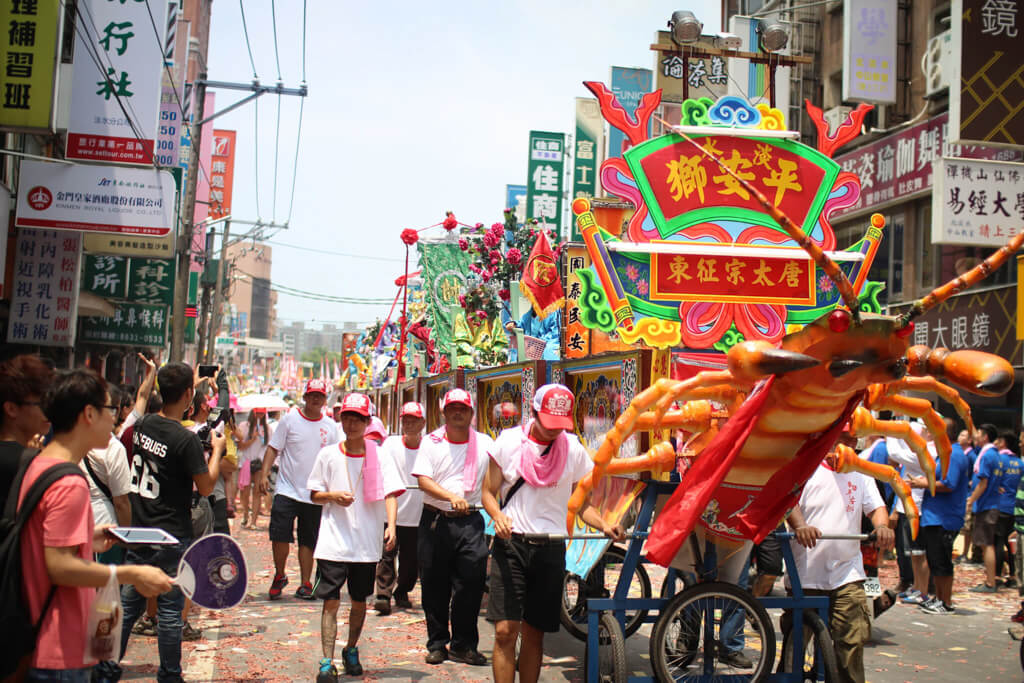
277	147
331	253
303	41
295	165
245	31
256	154
273	18
293	291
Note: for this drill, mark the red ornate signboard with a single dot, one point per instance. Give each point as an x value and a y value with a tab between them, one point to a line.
785	279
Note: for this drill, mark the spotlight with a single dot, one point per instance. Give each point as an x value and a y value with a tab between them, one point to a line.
774	36
685	27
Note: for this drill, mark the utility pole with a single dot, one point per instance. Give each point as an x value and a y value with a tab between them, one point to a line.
184	248
218	295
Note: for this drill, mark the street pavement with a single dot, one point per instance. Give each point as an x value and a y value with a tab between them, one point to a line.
280	641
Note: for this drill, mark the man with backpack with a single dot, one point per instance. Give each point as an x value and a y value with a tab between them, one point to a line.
23	381
49	538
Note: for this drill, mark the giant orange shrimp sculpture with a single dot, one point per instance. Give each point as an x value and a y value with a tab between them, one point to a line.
766	423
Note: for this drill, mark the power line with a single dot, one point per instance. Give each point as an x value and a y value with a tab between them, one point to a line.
295	166
303	41
277	140
284	289
245	31
332	253
273	18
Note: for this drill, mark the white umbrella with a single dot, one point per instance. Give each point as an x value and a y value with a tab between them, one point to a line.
261	402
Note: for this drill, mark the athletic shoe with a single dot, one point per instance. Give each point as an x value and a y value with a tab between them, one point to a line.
983	588
736	660
328	672
350	658
402	600
276	588
936	607
145	626
437	656
912	597
471	657
383	606
189	633
305	591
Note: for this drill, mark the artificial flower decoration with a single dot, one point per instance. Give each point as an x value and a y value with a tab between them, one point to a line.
410	236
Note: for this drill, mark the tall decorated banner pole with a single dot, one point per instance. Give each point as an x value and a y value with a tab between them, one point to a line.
409	237
602	262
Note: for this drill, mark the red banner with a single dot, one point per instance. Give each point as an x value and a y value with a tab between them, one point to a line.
222	172
729	278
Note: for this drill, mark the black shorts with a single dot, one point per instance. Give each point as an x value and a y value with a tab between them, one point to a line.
526	583
282	520
985	528
768	555
938	547
1004	527
331	576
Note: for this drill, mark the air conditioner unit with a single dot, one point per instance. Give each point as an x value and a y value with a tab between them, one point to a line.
937	63
835	117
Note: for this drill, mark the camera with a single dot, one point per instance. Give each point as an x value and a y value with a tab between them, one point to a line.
216	417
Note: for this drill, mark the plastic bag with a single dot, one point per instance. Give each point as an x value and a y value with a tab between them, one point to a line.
103	635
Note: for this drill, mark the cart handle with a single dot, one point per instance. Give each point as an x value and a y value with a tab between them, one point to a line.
789	535
565	537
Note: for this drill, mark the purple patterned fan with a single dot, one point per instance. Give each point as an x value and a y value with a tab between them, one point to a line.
213	573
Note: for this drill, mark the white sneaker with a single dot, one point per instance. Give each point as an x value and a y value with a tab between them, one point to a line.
937	607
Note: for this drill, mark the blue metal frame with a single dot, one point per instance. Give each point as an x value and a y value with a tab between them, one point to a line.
619	603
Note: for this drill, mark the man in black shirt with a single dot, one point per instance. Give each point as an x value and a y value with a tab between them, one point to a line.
23	382
167	459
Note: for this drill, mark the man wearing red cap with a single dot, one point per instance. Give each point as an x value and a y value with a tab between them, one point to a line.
298	438
452	551
534	468
401	450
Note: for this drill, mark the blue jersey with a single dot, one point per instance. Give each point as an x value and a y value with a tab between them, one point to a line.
988	469
947	509
1009	466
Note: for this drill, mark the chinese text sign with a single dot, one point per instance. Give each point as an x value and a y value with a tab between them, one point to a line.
28	54
44	302
976	202
544	178
869	51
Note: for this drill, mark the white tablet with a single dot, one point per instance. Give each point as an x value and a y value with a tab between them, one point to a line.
133	535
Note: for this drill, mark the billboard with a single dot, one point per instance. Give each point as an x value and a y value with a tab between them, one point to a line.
222	172
114	114
587	156
545	170
869	51
985	86
515	198
110	199
28	53
44	301
706	76
629	86
975	202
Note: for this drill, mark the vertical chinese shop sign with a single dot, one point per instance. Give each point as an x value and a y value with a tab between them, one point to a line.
544	178
222	172
28	55
44	302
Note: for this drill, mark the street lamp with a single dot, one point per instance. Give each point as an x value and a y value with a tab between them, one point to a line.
685	27
774	36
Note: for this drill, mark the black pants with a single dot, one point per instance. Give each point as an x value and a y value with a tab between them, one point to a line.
1004	529
220	516
453	571
405	550
903	551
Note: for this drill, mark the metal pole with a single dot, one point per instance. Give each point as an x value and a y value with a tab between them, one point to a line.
401	338
218	295
184	247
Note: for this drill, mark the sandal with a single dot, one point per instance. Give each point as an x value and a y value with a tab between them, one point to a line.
884	601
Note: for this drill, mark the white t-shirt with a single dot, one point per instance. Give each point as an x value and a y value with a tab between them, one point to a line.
111	466
354	533
538	510
297	440
835	504
256	449
901	453
410	504
443	461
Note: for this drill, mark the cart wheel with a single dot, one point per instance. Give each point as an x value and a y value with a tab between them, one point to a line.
611	651
685	642
819	651
601	583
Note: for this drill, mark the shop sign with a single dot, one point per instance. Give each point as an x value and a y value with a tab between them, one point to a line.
140	280
629	86
132	324
28	58
869	51
978	203
545	172
44	302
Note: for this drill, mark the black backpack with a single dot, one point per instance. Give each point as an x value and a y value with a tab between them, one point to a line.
20	632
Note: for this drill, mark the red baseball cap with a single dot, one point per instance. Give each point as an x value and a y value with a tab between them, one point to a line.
553	403
457	396
318	386
414	409
356	403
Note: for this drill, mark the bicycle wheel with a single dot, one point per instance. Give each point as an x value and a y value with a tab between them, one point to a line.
611	651
687	641
601	583
818	650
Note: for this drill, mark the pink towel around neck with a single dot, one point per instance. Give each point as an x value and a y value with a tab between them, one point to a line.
469	470
542	472
373	479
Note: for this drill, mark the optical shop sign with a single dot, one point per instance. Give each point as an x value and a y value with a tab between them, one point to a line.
978	203
109	199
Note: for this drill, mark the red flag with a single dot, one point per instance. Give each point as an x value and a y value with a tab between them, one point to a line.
540	282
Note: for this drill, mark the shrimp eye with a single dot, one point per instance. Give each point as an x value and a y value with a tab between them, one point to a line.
905	331
839	321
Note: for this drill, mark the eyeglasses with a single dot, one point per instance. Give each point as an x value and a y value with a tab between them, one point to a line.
113	409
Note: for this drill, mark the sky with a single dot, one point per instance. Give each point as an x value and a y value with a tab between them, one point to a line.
412	111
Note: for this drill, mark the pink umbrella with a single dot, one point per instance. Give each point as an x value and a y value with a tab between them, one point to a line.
232	403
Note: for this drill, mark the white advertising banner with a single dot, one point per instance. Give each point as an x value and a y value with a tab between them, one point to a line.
869	51
105	106
111	199
44	303
977	202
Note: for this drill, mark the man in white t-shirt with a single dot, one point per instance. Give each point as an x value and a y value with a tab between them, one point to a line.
299	436
534	468
450	469
401	450
357	488
834	503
